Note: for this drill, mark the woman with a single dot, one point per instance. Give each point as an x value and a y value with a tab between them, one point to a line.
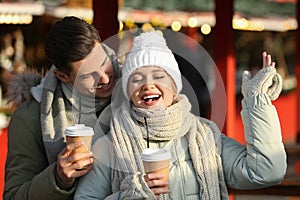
204	161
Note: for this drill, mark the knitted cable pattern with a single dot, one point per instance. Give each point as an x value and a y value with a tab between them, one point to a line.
265	81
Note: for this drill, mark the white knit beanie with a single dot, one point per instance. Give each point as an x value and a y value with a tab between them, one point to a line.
150	49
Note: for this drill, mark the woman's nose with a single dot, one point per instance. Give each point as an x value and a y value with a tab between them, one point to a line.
148	86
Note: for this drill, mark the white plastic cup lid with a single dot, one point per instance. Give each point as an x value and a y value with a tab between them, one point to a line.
79	130
152	155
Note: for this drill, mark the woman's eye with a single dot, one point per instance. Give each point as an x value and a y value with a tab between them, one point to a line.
136	80
159	76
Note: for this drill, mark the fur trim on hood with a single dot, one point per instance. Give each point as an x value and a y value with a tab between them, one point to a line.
20	85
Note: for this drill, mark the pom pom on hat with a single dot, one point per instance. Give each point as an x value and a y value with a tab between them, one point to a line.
150	49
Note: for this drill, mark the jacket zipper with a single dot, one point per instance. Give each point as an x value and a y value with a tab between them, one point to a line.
180	169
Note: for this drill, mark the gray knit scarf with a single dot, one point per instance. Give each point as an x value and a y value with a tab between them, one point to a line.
62	106
128	134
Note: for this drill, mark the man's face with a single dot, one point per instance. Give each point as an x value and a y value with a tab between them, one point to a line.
94	75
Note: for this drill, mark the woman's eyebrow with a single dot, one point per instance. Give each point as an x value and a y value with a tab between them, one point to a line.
158	70
136	73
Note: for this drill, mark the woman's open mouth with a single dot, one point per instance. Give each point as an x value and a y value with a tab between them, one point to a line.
151	100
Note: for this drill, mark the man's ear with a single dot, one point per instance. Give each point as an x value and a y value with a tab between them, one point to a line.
61	76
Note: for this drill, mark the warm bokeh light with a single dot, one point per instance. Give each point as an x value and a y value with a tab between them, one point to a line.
205	29
147	27
176	26
129	22
160	32
192	22
156	21
134	28
244	24
15	18
121	25
240	23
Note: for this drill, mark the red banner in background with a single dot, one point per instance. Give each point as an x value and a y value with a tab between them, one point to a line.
3	152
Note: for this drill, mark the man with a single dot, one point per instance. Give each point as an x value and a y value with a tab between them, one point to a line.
77	89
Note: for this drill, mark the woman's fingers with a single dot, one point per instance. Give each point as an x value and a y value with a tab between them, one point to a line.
157	183
153	176
267	60
273	64
264	56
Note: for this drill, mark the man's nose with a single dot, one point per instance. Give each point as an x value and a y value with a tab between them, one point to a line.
103	77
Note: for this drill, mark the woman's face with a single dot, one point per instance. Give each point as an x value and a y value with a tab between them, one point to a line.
151	88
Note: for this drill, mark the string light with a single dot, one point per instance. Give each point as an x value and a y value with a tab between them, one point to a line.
244	24
192	22
147	27
129	22
176	26
15	18
206	22
205	29
121	25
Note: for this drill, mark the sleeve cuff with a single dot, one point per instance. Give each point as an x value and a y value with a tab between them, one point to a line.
254	101
62	185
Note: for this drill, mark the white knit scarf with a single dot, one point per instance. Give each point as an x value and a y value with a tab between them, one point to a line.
128	134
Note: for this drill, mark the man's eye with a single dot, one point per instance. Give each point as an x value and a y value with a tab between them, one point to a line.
85	76
106	62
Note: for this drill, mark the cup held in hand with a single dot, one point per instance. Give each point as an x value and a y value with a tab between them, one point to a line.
157	161
79	133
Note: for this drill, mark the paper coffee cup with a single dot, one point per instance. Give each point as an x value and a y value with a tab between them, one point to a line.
156	161
79	133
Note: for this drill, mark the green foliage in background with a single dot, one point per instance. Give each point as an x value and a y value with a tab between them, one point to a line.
171	5
264	8
246	7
